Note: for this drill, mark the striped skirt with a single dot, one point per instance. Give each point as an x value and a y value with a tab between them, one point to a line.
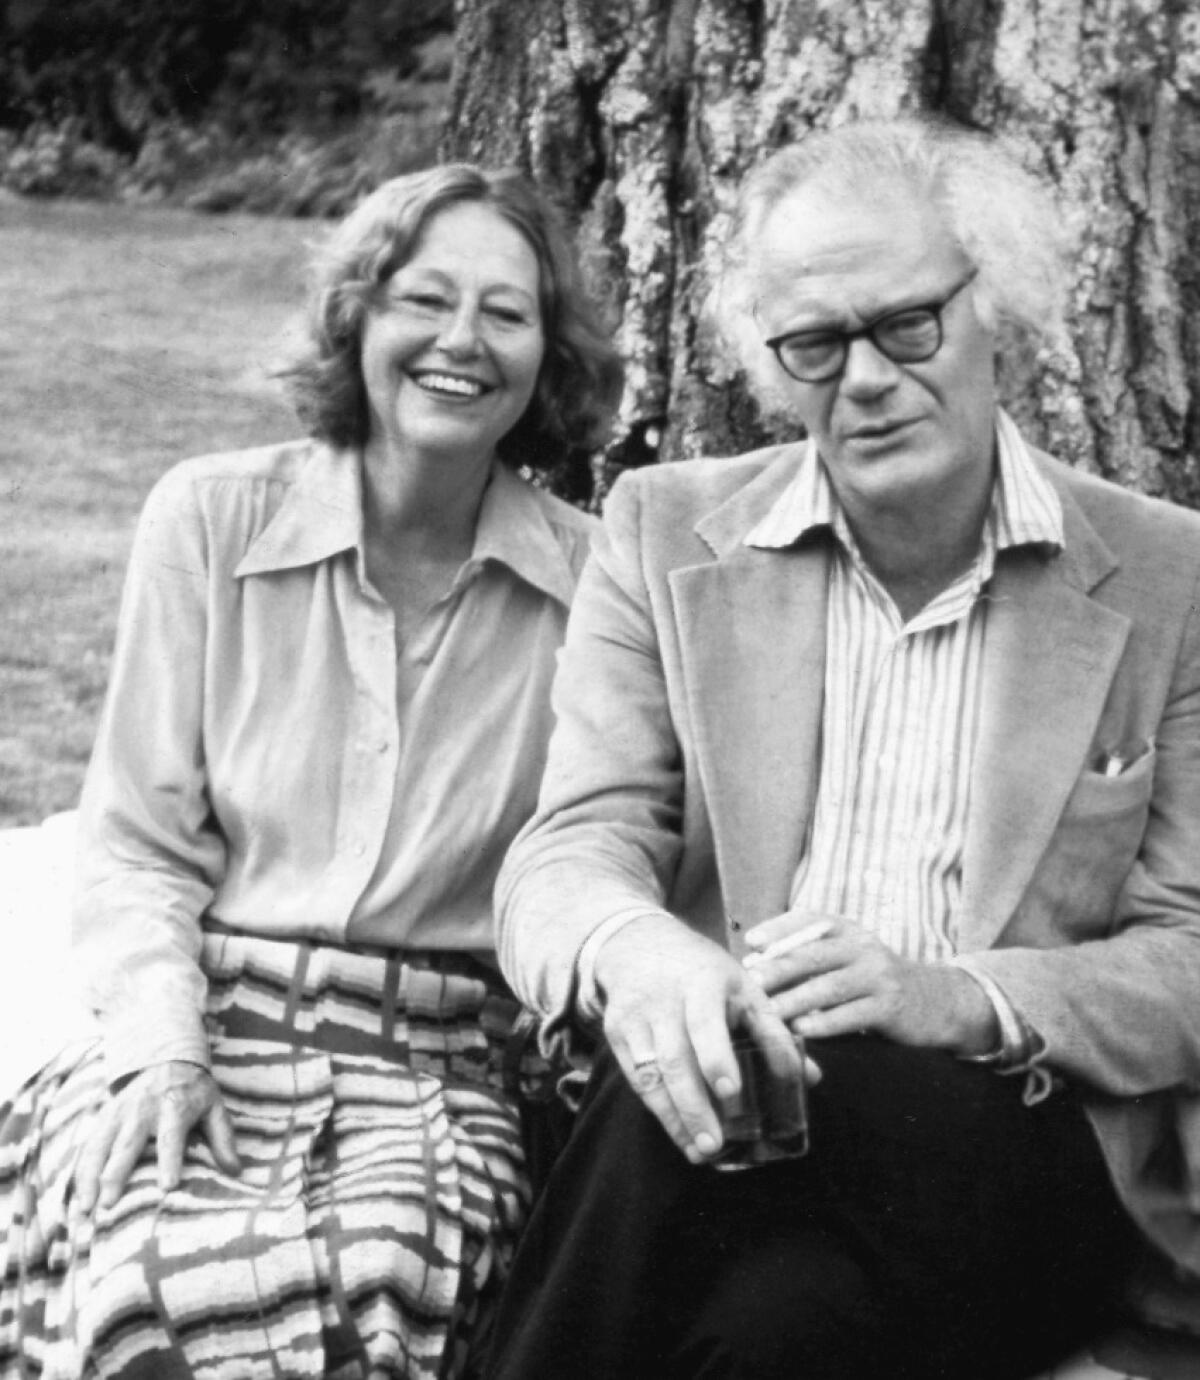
374	1099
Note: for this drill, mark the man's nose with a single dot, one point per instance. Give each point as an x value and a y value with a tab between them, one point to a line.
867	370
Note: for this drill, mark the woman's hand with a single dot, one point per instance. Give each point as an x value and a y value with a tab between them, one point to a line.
163	1103
827	976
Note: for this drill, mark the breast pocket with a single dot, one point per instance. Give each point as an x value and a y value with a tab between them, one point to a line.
1077	884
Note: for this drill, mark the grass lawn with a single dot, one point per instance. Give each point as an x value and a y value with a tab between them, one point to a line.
130	339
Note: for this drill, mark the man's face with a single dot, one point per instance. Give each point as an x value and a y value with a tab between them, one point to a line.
916	437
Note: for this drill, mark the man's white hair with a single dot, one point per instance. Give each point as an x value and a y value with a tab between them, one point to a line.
1002	218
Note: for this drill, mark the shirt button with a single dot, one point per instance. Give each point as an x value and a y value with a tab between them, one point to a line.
359	848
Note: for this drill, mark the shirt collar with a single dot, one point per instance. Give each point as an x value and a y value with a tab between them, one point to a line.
514	529
1025	510
1025	507
321	516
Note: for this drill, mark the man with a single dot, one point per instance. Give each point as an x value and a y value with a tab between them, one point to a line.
892	738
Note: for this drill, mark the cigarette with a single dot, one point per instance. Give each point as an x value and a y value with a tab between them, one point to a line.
819	929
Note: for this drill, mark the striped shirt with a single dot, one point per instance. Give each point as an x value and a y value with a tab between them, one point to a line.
901	713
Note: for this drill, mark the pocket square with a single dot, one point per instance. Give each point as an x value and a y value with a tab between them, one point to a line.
1116	761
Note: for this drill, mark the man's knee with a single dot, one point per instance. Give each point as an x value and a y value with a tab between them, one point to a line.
801	1306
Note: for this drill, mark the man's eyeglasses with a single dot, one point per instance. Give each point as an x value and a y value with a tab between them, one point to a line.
908	336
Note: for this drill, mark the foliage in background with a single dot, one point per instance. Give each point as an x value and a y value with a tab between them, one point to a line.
281	106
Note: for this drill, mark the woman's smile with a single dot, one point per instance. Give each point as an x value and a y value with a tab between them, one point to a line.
452	386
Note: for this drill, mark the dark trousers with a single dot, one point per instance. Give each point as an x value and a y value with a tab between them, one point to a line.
938	1227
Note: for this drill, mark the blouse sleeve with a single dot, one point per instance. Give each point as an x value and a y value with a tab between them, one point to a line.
150	854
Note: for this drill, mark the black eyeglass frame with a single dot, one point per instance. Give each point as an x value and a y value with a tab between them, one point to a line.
868	332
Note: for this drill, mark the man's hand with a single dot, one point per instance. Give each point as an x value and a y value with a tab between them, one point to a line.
671	999
827	976
164	1103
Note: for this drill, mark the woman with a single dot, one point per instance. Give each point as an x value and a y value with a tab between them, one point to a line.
295	1150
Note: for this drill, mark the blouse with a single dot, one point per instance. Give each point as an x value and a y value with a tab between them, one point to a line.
252	762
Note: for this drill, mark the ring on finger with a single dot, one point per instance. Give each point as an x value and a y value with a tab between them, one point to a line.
647	1074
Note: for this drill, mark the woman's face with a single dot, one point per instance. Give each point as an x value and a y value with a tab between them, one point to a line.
452	351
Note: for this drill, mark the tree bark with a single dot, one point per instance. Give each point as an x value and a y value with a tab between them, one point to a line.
640	117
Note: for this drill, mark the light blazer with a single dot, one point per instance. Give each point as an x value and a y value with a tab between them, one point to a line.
685	761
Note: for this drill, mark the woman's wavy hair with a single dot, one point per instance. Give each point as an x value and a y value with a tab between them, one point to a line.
1002	218
580	381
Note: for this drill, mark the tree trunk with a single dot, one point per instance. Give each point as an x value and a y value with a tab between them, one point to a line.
641	116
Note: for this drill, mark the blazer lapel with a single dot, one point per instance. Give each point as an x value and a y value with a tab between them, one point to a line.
752	646
1049	659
